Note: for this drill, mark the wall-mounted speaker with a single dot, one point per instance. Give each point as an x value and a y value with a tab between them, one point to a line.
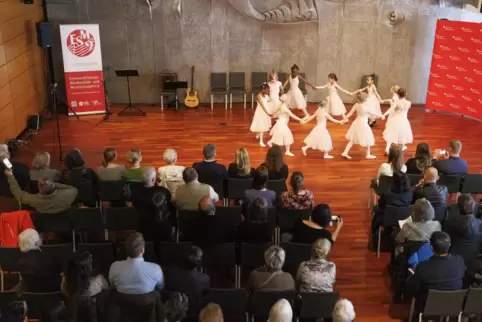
45	34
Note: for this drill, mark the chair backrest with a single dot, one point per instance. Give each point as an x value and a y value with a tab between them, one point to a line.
468	250
473	301
472	184
286	218
444	303
221	256
103	255
87	193
452	211
60	253
414	178
112	190
42	306
149	252
218	187
440	213
8	258
230	216
452	182
252	255
317	305
237	187
7	297
86	219
302	85
262	301
33	186
170	254
295	255
233	302
218	80
52	222
187	221
237	80
258	78
278	186
282	77
121	218
393	214
384	184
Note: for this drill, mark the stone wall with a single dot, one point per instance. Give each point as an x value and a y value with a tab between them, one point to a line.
352	38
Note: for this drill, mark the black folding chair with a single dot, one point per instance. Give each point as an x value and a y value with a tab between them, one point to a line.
391	217
172	254
33	186
468	250
472	183
86	220
149	252
278	186
287	218
440	213
317	305
262	301
120	219
233	302
237	187
43	306
112	190
384	184
230	216
414	178
59	224
60	253
221	259
103	255
187	222
472	303
452	182
295	255
8	262
8	297
87	194
442	304
252	256
257	78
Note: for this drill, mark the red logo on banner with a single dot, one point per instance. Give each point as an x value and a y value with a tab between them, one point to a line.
81	43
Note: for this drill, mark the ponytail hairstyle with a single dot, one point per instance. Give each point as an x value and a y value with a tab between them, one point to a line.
361	97
110	155
333	76
297	182
295	67
394	89
402	92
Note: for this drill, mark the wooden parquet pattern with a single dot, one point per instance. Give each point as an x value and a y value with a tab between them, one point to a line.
343	184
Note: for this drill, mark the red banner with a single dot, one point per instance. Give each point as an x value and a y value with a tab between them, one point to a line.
455	83
85	91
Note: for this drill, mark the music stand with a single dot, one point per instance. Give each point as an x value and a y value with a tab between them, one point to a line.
129	73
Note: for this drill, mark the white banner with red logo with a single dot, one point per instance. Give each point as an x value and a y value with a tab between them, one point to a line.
83	68
455	83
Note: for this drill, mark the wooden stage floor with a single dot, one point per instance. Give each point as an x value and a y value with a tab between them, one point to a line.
343	184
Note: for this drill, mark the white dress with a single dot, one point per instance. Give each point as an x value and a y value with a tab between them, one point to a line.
296	99
372	101
319	138
281	133
274	91
393	104
360	132
261	121
399	131
335	104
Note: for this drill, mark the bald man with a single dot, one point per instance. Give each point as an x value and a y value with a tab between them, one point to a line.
430	190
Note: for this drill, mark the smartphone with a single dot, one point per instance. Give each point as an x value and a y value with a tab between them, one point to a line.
7	163
334	219
443	152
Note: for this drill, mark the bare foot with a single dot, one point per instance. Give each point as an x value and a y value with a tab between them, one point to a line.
327	156
289	154
304	149
371	156
345	155
261	144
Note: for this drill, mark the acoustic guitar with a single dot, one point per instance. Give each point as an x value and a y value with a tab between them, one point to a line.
192	98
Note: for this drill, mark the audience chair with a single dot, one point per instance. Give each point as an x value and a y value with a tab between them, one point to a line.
233	302
278	186
315	306
302	85
384	184
120	219
60	253
272	224
262	301
282	78
103	255
221	258
257	78
87	194
252	256
219	87
172	254
187	221
43	306
8	297
391	217
440	213
33	186
8	262
231	216
166	79
112	190
52	223
472	183
149	253
295	255
287	218
237	187
473	302
414	178
452	182
218	187
452	211
86	220
237	85
468	250
441	304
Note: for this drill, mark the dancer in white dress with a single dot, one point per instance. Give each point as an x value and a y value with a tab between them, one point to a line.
360	132
275	89
373	99
280	133
335	105
262	116
398	130
296	99
393	102
319	138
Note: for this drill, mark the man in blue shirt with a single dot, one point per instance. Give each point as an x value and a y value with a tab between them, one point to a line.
452	164
134	275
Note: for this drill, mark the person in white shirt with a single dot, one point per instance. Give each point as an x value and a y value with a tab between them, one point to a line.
170	175
393	164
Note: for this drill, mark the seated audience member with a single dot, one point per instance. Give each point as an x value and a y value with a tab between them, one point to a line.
187	196
256	229
188	279
153	204
209	171
211	313
299	197
176	307
442	272
277	169
110	170
400	195
20	172
281	311
14	310
450	163
421	161
41	170
79	278
51	199
77	175
308	231
260	190
430	190
317	274
40	272
170	175
271	275
422	225
343	311
474	273
134	168
241	167
134	275
464	228
393	164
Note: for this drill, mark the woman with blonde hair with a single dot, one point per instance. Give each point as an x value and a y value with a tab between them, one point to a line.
134	169
41	168
211	313
240	168
281	311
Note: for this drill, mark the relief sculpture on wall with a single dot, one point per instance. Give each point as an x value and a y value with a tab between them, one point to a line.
291	11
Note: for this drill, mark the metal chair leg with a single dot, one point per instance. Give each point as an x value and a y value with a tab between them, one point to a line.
225	101
379	239
244	98
211	102
73	241
230	101
1	280
162	103
252	100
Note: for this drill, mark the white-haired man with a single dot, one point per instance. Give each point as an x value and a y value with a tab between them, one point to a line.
343	311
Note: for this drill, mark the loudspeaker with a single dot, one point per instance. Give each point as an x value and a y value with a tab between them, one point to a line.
33	122
45	34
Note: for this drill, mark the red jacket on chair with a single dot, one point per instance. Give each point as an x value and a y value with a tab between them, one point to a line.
11	225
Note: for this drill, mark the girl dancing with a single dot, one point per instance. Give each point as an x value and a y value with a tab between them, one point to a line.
335	105
373	99
281	133
360	132
275	89
262	118
296	99
319	138
393	103
398	129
